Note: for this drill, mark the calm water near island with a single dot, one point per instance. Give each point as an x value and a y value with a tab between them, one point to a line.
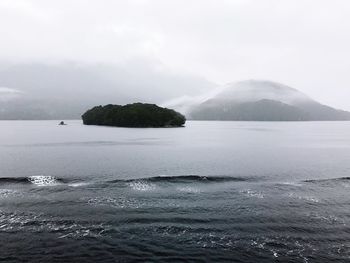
212	191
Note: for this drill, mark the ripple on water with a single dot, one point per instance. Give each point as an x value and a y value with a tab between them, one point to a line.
297	184
6	193
38	223
329	219
116	202
252	193
307	198
188	189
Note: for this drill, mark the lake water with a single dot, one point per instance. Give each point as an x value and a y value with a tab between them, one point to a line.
209	192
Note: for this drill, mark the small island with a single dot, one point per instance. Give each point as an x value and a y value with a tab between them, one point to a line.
136	115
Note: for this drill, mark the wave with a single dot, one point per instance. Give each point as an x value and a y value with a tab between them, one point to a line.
184	179
40	180
142	184
14	180
328	180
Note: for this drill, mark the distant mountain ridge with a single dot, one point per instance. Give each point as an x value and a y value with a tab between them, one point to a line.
255	100
39	91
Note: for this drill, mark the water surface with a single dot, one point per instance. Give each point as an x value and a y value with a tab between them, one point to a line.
212	191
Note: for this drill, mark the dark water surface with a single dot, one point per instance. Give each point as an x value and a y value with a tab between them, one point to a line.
210	192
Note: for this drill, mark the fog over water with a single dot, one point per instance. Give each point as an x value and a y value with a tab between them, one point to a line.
74	53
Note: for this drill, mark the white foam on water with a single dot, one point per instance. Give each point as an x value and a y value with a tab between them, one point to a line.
119	202
43	180
81	231
291	183
306	198
142	186
252	193
14	222
80	184
330	219
346	185
311	199
37	223
4	193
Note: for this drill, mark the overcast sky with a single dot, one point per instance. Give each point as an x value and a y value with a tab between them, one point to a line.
301	43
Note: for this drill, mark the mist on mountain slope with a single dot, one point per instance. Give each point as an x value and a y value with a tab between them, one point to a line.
257	100
66	90
239	92
255	90
7	94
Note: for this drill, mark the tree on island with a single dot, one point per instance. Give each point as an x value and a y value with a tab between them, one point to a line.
141	115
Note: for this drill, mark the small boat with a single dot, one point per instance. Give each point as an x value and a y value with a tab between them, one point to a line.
62	123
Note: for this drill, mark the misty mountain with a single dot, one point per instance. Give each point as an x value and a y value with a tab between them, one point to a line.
66	90
254	100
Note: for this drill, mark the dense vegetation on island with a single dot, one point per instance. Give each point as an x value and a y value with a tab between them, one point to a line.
133	115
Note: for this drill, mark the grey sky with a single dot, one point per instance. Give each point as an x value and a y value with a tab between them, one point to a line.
301	43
